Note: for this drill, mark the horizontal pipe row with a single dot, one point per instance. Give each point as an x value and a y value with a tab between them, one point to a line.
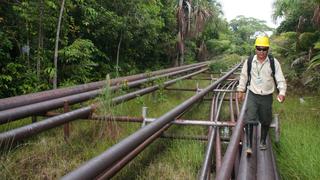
41	107
26	131
13	102
177	121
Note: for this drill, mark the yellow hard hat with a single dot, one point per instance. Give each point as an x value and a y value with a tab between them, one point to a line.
262	41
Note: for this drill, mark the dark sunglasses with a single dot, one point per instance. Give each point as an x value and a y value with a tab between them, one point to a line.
261	49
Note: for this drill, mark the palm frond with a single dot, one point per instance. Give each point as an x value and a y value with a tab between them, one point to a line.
189	16
316	16
307	80
299	60
315	61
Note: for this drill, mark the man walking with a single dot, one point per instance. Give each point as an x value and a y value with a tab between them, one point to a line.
261	75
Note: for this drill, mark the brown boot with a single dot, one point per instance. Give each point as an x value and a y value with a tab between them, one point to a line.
263	147
249	151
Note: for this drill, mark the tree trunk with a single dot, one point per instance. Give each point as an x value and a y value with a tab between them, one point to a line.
181	28
118	52
40	40
55	60
28	46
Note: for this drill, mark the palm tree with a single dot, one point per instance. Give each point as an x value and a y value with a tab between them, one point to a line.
57	46
183	11
191	20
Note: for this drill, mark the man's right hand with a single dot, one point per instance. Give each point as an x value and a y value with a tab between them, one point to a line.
240	96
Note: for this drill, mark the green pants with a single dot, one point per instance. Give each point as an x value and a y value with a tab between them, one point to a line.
259	109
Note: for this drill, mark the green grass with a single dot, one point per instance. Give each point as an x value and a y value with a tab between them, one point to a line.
298	154
48	156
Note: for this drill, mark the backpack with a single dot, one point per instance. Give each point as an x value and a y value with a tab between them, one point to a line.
249	65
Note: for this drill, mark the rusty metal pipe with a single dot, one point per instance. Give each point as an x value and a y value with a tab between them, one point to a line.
106	160
274	164
265	168
214	117
231	102
117	118
120	164
206	165
229	157
152	88
204	173
16	134
177	121
199	123
218	140
181	89
184	137
218	150
13	102
26	131
38	108
232	114
248	165
25	111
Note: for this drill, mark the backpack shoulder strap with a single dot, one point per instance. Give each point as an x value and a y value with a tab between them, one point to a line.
272	66
249	65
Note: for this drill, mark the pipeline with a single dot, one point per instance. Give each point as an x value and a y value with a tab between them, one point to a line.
265	168
41	107
206	166
13	102
213	132
120	164
26	131
106	160
125	160
218	140
248	165
237	159
229	158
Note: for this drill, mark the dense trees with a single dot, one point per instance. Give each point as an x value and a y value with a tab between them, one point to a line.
298	39
125	37
95	38
244	30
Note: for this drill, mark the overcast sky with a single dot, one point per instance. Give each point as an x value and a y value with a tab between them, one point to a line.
259	9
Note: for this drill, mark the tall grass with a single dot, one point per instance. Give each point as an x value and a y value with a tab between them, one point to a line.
49	156
298	154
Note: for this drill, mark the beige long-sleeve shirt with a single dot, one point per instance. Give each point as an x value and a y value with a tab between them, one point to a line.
262	82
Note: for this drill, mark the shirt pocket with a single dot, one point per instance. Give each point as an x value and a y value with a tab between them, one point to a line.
269	84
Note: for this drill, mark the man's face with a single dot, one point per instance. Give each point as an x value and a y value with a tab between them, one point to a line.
262	52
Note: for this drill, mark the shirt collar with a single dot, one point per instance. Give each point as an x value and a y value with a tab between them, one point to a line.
255	59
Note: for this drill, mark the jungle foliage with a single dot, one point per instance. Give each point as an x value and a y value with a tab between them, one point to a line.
126	37
297	41
97	38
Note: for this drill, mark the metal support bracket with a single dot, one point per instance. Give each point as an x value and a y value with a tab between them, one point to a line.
144	116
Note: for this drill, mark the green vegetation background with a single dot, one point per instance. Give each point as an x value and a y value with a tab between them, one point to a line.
145	33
